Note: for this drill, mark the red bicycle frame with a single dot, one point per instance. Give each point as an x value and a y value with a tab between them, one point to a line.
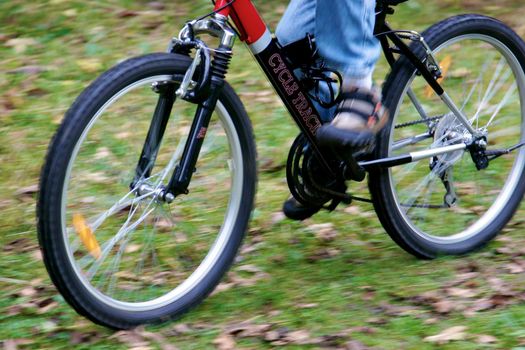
271	58
246	19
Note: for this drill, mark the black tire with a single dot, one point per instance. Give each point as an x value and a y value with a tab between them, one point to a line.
147	247
429	232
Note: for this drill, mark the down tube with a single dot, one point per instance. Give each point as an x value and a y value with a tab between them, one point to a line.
280	74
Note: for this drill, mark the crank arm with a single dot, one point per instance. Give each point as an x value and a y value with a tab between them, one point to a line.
410	157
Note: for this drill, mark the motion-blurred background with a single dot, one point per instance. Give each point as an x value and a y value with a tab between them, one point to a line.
330	282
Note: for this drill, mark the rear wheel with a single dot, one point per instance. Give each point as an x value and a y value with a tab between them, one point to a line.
444	205
119	254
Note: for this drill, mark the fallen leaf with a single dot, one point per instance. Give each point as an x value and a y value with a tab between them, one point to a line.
48	326
502	299
97	177
461	292
249	268
323	253
398	310
363	329
431	320
45	304
460	73
157	5
132	248
9	344
223	286
127	13
300	337
324	232
20	44
247	329
30	70
271	336
498	285
224	342
12	100
158	338
514	268
102	152
443	306
307	305
20	245
486	339
12	344
504	250
123	135
76	338
152	24
355	345
89	65
448	335
181	328
27	191
277	217
70	13
131	338
356	211
377	320
478	305
28	291
268	165
461	278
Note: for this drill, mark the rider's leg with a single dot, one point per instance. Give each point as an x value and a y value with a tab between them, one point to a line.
344	35
345	38
298	20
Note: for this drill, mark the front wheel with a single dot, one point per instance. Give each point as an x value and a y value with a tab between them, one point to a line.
444	205
117	252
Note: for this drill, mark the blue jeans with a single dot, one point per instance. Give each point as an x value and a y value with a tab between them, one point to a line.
343	30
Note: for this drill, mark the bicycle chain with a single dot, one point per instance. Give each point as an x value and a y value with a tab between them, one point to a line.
415	122
421	121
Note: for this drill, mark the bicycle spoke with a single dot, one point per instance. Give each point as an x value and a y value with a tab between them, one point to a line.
479	80
502	103
485	99
123	231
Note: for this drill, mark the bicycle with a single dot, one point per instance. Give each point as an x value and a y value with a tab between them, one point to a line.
120	222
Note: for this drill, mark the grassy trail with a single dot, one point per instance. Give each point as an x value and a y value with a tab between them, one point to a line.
354	291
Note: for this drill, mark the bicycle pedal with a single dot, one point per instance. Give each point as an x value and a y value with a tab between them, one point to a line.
352	170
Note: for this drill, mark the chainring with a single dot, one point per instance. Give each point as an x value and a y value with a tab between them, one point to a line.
307	179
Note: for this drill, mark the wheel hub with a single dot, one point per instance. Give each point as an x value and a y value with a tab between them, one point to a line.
448	132
160	194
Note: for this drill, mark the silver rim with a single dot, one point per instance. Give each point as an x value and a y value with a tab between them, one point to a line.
134	203
489	86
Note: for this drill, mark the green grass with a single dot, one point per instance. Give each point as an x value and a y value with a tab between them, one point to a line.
367	277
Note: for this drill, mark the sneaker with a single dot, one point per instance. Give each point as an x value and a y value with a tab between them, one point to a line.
294	210
358	118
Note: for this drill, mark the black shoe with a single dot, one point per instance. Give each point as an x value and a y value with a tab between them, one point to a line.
297	211
359	116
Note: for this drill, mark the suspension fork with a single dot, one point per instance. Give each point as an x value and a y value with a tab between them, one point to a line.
182	174
156	130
